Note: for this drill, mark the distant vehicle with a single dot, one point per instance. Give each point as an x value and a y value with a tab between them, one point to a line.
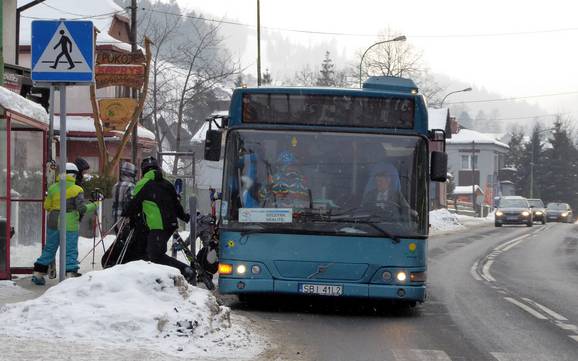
514	210
538	210
560	212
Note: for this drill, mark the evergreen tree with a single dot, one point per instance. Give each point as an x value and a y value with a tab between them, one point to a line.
515	155
327	73
560	174
266	79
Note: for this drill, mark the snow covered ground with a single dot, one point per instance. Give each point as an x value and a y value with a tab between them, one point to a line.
443	221
142	307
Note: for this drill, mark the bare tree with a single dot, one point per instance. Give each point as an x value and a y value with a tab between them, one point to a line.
205	65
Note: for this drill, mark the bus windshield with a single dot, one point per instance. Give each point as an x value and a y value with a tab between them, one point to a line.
325	182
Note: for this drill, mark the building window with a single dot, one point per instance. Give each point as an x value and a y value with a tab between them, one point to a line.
467	161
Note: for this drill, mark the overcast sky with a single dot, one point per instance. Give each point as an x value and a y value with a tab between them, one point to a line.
467	40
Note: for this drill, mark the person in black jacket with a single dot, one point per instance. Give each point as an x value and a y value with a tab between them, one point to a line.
156	199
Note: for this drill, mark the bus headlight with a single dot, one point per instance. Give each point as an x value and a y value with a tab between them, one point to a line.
255	269
525	213
386	275
241	269
401	276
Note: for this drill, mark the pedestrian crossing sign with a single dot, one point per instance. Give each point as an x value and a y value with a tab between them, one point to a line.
62	51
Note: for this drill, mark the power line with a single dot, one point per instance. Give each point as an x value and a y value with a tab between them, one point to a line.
514	98
479	35
104	15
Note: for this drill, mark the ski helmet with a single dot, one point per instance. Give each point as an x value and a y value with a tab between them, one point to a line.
148	164
81	164
128	169
71	168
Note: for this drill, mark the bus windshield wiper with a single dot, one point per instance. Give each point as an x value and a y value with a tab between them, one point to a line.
359	219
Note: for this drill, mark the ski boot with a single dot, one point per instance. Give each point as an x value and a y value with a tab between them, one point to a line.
38	279
73	274
52	270
207	280
190	276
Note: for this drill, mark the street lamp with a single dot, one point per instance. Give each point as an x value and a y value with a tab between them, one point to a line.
457	91
532	160
397	38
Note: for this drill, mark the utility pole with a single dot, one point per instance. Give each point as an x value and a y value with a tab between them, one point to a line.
258	43
133	28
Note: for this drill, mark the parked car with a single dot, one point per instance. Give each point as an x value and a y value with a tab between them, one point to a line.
538	210
513	210
560	212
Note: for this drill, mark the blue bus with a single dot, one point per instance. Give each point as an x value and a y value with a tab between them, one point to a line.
325	190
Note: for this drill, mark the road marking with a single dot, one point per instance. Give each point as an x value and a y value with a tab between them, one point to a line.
506	356
420	355
548	311
474	271
486	271
574	337
510	246
506	244
526	308
567	326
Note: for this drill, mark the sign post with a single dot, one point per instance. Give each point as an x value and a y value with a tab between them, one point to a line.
62	54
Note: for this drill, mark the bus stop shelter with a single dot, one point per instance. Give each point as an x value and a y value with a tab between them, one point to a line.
23	155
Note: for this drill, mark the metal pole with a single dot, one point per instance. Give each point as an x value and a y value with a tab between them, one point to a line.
133	31
258	43
473	176
398	38
62	222
532	172
51	123
1	44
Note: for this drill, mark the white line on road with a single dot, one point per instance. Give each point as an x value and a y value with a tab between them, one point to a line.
486	271
548	311
506	356
574	337
474	271
526	308
567	326
420	355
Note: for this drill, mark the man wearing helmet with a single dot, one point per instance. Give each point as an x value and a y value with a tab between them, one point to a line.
157	201
76	207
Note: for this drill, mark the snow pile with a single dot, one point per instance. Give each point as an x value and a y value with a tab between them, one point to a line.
21	105
139	304
441	220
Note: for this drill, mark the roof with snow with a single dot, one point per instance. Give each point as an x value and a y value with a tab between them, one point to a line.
18	104
200	135
100	12
467	136
85	124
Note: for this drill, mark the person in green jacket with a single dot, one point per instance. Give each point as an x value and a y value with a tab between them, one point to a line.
76	207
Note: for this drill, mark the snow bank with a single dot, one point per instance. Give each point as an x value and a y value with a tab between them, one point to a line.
16	103
139	304
10	290
442	220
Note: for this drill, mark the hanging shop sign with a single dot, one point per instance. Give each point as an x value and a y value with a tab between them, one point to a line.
116	113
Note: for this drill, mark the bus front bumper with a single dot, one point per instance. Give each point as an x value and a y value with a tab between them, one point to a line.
361	290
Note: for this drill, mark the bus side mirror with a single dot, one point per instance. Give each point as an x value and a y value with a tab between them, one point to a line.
213	145
439	166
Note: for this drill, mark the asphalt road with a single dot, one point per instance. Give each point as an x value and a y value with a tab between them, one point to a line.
505	294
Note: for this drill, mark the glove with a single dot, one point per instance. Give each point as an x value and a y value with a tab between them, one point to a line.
187	218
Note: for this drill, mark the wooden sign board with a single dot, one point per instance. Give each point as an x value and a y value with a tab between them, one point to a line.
116	113
123	75
115	57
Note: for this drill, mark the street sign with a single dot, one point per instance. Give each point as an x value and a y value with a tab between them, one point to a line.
62	51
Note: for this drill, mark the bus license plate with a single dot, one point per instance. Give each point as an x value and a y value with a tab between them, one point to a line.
324	290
